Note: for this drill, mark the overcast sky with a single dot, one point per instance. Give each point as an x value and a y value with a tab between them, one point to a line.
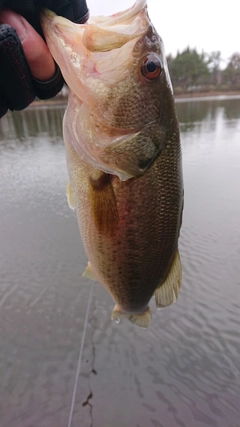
207	25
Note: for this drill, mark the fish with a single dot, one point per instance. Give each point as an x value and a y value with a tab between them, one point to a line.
123	155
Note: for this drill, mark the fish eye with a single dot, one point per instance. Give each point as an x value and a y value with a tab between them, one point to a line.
151	67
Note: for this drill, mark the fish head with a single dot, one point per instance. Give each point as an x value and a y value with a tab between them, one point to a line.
117	73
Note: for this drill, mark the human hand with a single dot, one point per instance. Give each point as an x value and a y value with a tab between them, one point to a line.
27	68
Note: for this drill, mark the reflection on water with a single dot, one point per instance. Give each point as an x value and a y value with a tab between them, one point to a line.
25	126
192	113
185	369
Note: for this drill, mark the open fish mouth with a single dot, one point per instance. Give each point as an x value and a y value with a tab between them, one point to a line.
123	155
101	33
112	32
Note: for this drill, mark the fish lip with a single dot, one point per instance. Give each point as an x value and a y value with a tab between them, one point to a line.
119	17
46	16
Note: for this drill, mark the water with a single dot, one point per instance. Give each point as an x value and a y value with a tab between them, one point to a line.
62	361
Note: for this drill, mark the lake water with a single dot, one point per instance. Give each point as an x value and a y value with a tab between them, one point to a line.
63	362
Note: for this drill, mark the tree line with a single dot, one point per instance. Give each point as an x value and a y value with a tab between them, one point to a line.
194	72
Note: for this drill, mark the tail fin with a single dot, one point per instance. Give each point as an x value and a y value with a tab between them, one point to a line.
140	319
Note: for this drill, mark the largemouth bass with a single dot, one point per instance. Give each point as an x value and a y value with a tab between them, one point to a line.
123	155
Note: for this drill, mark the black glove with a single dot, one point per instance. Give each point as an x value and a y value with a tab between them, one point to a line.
17	87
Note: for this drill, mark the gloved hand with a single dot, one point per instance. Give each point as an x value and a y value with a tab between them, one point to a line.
27	68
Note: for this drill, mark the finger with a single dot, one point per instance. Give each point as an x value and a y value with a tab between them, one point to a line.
36	51
16	85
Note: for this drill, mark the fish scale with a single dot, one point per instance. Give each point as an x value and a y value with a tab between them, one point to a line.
124	156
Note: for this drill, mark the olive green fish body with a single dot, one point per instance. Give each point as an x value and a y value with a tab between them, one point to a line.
132	248
123	154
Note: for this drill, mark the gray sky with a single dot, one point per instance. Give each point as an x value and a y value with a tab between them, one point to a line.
208	25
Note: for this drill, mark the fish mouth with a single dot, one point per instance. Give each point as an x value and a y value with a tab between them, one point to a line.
122	16
102	47
100	33
103	34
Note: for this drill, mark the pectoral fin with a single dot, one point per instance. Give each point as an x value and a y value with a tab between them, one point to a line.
135	153
70	197
167	293
140	319
103	203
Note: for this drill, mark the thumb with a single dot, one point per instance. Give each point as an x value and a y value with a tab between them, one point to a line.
39	59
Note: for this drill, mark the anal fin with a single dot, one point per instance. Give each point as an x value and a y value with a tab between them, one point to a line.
88	274
167	293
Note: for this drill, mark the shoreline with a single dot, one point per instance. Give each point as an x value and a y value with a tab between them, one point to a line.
207	96
211	95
